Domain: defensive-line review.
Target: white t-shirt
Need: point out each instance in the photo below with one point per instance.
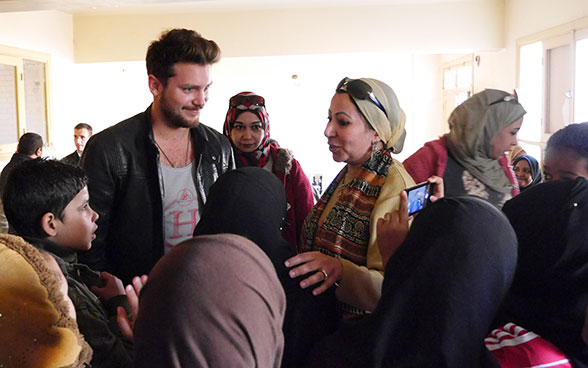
(181, 210)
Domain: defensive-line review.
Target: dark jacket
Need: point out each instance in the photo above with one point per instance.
(124, 175)
(96, 321)
(72, 159)
(16, 159)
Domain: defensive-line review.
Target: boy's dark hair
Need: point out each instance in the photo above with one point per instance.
(572, 138)
(29, 143)
(88, 127)
(179, 46)
(35, 187)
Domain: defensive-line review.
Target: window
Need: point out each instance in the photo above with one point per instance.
(553, 80)
(457, 85)
(23, 97)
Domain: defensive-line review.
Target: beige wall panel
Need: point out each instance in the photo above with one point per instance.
(471, 25)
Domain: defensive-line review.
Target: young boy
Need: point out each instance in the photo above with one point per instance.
(46, 202)
(566, 154)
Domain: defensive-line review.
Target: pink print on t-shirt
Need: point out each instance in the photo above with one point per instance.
(181, 217)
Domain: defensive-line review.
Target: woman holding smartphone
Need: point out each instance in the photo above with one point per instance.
(338, 245)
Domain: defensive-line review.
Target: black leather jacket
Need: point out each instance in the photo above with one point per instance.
(124, 176)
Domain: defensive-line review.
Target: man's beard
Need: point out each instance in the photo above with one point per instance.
(174, 119)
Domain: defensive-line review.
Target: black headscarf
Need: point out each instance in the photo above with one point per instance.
(550, 290)
(251, 202)
(441, 291)
(534, 167)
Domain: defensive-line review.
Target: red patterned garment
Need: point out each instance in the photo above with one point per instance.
(515, 347)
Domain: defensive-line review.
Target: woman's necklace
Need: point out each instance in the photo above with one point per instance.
(182, 164)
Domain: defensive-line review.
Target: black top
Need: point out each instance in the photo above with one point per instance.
(439, 296)
(550, 289)
(72, 159)
(251, 202)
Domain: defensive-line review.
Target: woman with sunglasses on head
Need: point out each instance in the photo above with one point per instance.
(365, 126)
(247, 127)
(471, 158)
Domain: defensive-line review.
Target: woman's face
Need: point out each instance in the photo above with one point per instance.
(248, 132)
(523, 172)
(349, 138)
(564, 164)
(505, 139)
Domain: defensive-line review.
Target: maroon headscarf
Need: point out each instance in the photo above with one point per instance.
(249, 101)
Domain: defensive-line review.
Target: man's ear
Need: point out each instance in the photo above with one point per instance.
(39, 152)
(155, 85)
(48, 224)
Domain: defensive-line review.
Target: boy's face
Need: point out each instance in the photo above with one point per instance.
(76, 231)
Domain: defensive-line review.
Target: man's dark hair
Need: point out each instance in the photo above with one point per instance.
(573, 138)
(29, 143)
(88, 127)
(179, 46)
(36, 187)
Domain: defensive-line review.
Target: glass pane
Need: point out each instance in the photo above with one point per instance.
(531, 90)
(580, 105)
(464, 77)
(34, 86)
(461, 97)
(8, 117)
(450, 79)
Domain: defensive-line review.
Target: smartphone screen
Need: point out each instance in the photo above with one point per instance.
(418, 197)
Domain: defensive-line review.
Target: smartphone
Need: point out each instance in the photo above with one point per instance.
(418, 196)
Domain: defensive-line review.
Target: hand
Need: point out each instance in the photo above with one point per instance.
(315, 263)
(133, 291)
(392, 229)
(113, 287)
(439, 187)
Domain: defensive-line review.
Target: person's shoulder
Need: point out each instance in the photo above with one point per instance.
(285, 161)
(71, 159)
(211, 135)
(398, 174)
(121, 132)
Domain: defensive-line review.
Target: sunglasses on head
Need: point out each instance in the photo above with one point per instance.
(246, 101)
(508, 98)
(360, 90)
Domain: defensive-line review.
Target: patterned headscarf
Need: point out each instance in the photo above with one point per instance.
(238, 104)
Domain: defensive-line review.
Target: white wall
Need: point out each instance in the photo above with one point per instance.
(432, 28)
(523, 18)
(297, 107)
(48, 32)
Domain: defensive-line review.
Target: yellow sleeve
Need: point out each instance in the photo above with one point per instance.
(361, 286)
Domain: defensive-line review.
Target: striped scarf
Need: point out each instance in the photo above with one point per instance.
(345, 233)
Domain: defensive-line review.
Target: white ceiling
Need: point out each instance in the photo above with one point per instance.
(135, 6)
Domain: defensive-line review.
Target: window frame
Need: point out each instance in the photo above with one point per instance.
(565, 34)
(15, 56)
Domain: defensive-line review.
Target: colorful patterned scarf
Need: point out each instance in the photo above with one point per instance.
(261, 154)
(345, 233)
